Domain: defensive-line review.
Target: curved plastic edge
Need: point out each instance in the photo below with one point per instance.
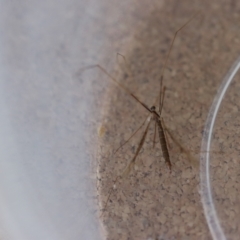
(205, 181)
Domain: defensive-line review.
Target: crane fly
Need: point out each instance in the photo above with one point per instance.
(154, 116)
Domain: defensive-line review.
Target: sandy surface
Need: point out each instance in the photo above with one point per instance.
(151, 202)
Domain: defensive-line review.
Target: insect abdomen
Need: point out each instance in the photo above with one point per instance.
(163, 142)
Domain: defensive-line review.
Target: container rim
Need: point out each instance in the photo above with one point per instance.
(205, 182)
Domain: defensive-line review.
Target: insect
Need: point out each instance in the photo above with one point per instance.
(154, 116)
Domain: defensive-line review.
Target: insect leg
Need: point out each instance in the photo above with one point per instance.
(126, 63)
(114, 80)
(109, 195)
(154, 137)
(168, 54)
(130, 136)
(132, 162)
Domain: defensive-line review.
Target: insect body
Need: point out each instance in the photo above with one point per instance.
(154, 116)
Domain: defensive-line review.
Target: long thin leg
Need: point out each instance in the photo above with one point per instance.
(163, 95)
(132, 162)
(169, 51)
(109, 195)
(175, 35)
(130, 165)
(130, 136)
(154, 137)
(160, 95)
(126, 63)
(114, 80)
